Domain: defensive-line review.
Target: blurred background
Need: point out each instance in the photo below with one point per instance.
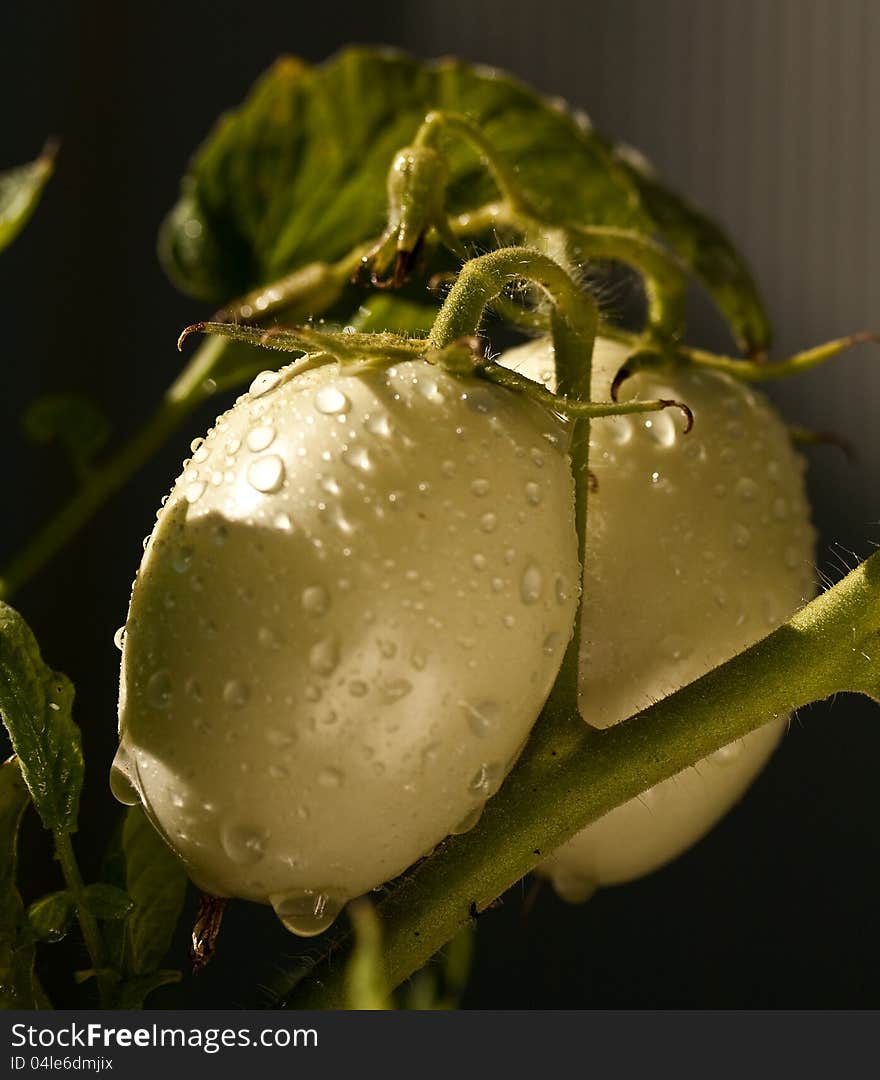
(765, 113)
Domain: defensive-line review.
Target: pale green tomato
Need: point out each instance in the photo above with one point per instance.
(698, 546)
(347, 619)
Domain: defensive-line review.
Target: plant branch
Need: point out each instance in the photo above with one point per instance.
(570, 775)
(87, 923)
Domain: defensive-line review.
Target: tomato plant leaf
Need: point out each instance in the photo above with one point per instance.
(134, 991)
(20, 190)
(298, 172)
(16, 938)
(50, 916)
(704, 247)
(106, 901)
(36, 706)
(71, 420)
(156, 885)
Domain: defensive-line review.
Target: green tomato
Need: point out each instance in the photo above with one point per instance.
(349, 614)
(697, 546)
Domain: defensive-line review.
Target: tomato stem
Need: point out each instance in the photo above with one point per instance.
(568, 776)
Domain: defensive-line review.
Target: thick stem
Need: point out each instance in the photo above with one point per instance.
(87, 923)
(830, 646)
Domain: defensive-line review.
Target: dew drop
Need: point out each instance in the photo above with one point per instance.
(119, 638)
(488, 522)
(661, 429)
(467, 823)
(324, 656)
(741, 537)
(306, 912)
(746, 489)
(377, 424)
(395, 689)
(478, 562)
(480, 487)
(531, 584)
(533, 493)
(315, 600)
(266, 474)
(268, 639)
(358, 458)
(193, 690)
(278, 772)
(260, 438)
(330, 401)
(482, 718)
(159, 689)
(418, 660)
(236, 693)
(358, 688)
(279, 738)
(486, 780)
(551, 643)
(263, 383)
(331, 778)
(780, 509)
(194, 491)
(121, 783)
(244, 844)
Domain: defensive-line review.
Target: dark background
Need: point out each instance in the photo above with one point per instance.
(766, 112)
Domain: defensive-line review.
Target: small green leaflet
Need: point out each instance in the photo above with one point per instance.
(16, 938)
(704, 247)
(50, 917)
(156, 884)
(298, 172)
(20, 191)
(36, 705)
(71, 420)
(106, 901)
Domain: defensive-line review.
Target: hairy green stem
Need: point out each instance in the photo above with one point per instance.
(830, 646)
(87, 923)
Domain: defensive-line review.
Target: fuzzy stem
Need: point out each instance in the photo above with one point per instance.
(830, 646)
(87, 923)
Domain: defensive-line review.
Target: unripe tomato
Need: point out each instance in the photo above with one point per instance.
(347, 618)
(697, 546)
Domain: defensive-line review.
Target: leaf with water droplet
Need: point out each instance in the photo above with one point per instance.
(16, 937)
(36, 706)
(50, 916)
(154, 881)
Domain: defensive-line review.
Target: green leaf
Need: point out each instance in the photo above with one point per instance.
(132, 992)
(156, 884)
(71, 420)
(16, 939)
(36, 705)
(366, 981)
(50, 916)
(106, 901)
(388, 311)
(20, 191)
(705, 248)
(298, 172)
